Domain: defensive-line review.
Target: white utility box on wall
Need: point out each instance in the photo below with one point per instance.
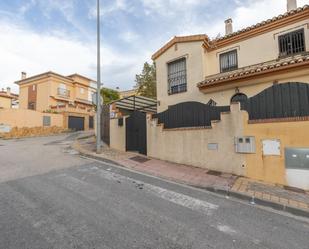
(5, 128)
(245, 145)
(271, 147)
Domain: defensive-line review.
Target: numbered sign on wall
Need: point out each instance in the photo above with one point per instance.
(271, 147)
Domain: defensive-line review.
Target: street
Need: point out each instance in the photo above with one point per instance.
(53, 198)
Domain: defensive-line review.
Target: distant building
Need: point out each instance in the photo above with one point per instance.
(7, 99)
(128, 93)
(51, 92)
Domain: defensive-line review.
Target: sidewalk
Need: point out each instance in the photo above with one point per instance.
(278, 197)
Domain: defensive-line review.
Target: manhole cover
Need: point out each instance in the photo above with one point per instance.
(214, 173)
(139, 159)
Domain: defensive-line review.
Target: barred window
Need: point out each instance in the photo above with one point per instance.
(228, 61)
(177, 76)
(292, 43)
(211, 102)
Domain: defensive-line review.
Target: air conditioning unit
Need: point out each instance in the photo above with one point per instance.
(245, 145)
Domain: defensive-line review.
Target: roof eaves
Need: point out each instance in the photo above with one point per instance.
(81, 76)
(38, 76)
(179, 39)
(213, 44)
(252, 71)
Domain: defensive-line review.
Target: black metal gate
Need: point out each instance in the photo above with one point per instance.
(105, 126)
(136, 132)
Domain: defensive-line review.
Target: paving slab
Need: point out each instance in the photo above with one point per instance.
(273, 195)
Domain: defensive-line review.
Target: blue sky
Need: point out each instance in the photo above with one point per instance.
(60, 35)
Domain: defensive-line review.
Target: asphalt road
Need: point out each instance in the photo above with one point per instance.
(51, 198)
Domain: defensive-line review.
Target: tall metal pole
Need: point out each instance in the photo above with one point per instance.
(98, 140)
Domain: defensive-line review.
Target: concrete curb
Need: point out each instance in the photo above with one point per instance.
(237, 195)
(258, 201)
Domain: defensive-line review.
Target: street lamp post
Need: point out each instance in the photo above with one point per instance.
(98, 140)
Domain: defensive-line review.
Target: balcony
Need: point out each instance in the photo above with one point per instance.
(63, 92)
(77, 108)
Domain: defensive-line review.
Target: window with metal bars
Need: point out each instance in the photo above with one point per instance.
(228, 61)
(211, 102)
(292, 43)
(177, 76)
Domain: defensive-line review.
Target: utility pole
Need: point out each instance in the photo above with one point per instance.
(98, 140)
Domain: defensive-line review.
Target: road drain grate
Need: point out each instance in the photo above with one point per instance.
(139, 159)
(214, 173)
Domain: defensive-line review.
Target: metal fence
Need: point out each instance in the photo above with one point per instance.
(190, 114)
(279, 101)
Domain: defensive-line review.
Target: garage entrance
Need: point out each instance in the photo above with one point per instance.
(76, 123)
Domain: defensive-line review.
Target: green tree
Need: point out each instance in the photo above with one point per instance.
(146, 81)
(109, 95)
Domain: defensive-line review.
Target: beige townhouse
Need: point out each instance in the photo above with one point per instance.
(8, 99)
(236, 66)
(54, 93)
(200, 82)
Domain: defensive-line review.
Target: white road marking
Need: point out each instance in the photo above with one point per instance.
(226, 229)
(177, 198)
(183, 200)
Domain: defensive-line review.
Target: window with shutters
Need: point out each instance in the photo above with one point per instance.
(177, 76)
(292, 43)
(228, 61)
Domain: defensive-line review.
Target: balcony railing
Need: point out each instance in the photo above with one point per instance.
(63, 92)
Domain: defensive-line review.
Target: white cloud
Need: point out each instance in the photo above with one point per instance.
(111, 8)
(245, 14)
(22, 49)
(253, 12)
(170, 7)
(129, 36)
(26, 6)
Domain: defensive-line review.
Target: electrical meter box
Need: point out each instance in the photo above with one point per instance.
(245, 145)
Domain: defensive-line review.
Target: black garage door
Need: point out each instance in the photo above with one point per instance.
(76, 123)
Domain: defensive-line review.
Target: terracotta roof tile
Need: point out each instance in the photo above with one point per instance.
(179, 39)
(255, 69)
(258, 25)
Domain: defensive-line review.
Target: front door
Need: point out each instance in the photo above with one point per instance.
(136, 133)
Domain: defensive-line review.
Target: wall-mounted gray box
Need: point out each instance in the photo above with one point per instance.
(297, 158)
(5, 128)
(46, 121)
(213, 146)
(245, 145)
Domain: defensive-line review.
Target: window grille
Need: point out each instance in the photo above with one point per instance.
(292, 43)
(177, 76)
(228, 61)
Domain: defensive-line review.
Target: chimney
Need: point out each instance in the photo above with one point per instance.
(291, 5)
(8, 91)
(23, 75)
(228, 26)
